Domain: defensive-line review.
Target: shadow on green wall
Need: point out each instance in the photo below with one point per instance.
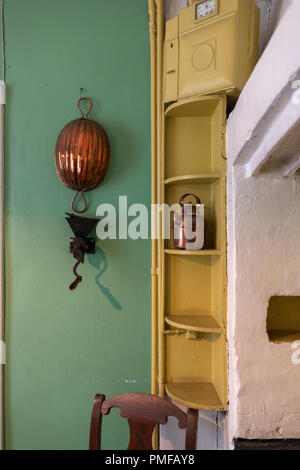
(99, 261)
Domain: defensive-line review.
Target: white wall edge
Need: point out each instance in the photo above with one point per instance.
(272, 131)
(260, 99)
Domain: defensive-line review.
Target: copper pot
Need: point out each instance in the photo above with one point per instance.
(82, 154)
(188, 225)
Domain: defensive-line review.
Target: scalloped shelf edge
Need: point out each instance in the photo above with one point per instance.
(199, 396)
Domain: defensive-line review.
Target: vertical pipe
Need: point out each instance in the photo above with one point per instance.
(2, 345)
(152, 28)
(154, 268)
(161, 339)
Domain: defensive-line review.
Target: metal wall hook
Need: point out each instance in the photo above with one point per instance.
(84, 200)
(84, 98)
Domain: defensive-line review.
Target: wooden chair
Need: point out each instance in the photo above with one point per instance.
(143, 412)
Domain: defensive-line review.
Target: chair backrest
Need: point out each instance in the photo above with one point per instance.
(143, 412)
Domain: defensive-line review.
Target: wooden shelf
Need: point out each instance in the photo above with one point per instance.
(195, 106)
(199, 396)
(193, 253)
(203, 178)
(201, 323)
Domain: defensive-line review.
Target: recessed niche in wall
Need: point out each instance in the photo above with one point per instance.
(283, 319)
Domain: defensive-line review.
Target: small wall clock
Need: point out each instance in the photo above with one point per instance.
(206, 8)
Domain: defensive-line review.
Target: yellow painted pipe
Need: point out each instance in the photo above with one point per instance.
(152, 30)
(2, 311)
(161, 338)
(154, 272)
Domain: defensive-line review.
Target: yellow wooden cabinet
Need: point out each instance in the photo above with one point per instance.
(211, 47)
(204, 55)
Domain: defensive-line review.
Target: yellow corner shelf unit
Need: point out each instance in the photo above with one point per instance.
(200, 60)
(192, 284)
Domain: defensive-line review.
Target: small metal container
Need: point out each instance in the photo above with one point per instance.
(188, 225)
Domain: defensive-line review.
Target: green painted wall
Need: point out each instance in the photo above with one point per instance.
(64, 347)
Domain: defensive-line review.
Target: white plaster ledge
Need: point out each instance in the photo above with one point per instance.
(275, 146)
(263, 130)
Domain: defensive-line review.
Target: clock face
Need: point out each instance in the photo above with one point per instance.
(206, 8)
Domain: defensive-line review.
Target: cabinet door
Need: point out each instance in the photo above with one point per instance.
(207, 58)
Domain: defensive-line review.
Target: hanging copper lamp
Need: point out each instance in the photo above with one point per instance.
(82, 155)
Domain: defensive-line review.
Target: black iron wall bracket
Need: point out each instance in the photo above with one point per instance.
(80, 244)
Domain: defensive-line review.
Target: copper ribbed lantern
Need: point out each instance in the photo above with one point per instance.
(82, 155)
